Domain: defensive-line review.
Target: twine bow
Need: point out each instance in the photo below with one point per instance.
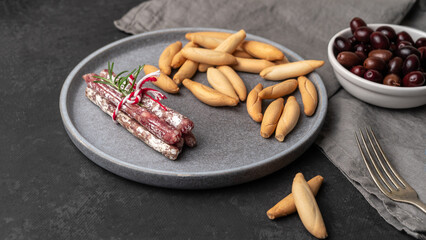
(136, 96)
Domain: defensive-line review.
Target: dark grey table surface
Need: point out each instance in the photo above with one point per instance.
(49, 190)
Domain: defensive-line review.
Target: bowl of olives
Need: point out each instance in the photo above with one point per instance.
(381, 64)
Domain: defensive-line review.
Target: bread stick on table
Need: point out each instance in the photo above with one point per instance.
(307, 207)
(286, 206)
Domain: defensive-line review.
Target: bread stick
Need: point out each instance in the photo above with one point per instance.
(279, 90)
(283, 61)
(179, 59)
(206, 42)
(187, 70)
(202, 67)
(309, 95)
(222, 35)
(307, 207)
(163, 82)
(219, 82)
(241, 54)
(286, 206)
(235, 80)
(167, 55)
(254, 103)
(208, 56)
(231, 43)
(251, 65)
(208, 95)
(210, 42)
(271, 117)
(288, 119)
(290, 70)
(262, 50)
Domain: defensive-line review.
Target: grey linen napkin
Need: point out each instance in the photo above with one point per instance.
(306, 27)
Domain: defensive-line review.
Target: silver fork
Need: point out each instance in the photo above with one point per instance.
(389, 182)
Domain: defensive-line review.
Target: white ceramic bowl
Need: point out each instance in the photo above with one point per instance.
(374, 93)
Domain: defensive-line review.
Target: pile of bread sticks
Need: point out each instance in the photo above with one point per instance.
(220, 54)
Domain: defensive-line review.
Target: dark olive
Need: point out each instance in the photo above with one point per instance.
(362, 47)
(342, 44)
(362, 34)
(386, 55)
(379, 41)
(395, 65)
(356, 23)
(392, 80)
(411, 63)
(348, 59)
(389, 32)
(358, 70)
(406, 51)
(369, 47)
(361, 55)
(373, 75)
(404, 36)
(403, 44)
(352, 40)
(422, 51)
(421, 42)
(413, 79)
(392, 47)
(375, 63)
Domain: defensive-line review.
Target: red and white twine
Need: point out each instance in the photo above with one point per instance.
(136, 96)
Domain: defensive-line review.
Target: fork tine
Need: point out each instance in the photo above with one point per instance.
(379, 159)
(384, 180)
(403, 182)
(370, 170)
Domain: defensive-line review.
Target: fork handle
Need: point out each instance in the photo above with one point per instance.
(419, 204)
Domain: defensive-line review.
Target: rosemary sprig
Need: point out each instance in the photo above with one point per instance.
(120, 82)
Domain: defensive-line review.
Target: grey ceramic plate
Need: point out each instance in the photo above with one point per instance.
(230, 149)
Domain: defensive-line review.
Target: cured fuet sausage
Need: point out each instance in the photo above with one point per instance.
(169, 151)
(150, 121)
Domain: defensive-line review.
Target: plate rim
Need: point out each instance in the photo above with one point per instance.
(75, 135)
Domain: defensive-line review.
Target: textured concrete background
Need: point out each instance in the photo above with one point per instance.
(49, 190)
